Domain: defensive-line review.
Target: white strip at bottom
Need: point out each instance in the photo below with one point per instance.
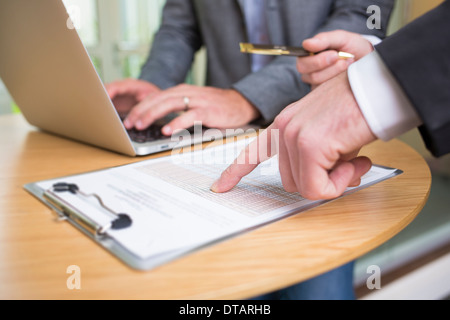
(430, 282)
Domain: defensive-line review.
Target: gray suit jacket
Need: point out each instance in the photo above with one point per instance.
(219, 25)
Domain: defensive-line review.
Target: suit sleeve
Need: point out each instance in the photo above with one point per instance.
(174, 46)
(353, 15)
(279, 84)
(418, 57)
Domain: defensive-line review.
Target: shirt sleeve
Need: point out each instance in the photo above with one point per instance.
(374, 40)
(387, 110)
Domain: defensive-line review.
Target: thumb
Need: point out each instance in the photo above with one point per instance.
(315, 44)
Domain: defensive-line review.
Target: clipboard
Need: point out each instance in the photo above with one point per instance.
(98, 232)
(124, 233)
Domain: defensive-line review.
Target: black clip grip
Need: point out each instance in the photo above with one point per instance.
(122, 220)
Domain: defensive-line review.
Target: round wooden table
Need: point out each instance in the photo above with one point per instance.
(36, 251)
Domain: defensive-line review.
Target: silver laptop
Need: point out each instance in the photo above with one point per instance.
(49, 74)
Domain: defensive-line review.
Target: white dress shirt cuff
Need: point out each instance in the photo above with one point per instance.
(383, 103)
(374, 40)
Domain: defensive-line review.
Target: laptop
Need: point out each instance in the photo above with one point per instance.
(49, 74)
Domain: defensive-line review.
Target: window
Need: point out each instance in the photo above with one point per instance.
(5, 100)
(117, 35)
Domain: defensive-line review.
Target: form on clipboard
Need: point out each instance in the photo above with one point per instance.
(151, 212)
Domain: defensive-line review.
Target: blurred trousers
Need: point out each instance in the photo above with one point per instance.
(336, 284)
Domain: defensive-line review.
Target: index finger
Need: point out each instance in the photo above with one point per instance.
(112, 89)
(335, 40)
(317, 62)
(256, 152)
(127, 86)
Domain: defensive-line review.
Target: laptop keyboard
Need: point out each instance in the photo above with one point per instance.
(153, 132)
(150, 134)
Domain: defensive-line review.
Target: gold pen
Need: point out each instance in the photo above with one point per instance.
(284, 51)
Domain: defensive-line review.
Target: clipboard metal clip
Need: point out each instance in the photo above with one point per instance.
(66, 212)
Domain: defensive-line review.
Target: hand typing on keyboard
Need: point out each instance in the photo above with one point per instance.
(213, 107)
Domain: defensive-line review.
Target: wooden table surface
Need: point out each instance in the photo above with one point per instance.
(35, 251)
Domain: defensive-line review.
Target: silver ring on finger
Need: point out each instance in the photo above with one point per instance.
(186, 101)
